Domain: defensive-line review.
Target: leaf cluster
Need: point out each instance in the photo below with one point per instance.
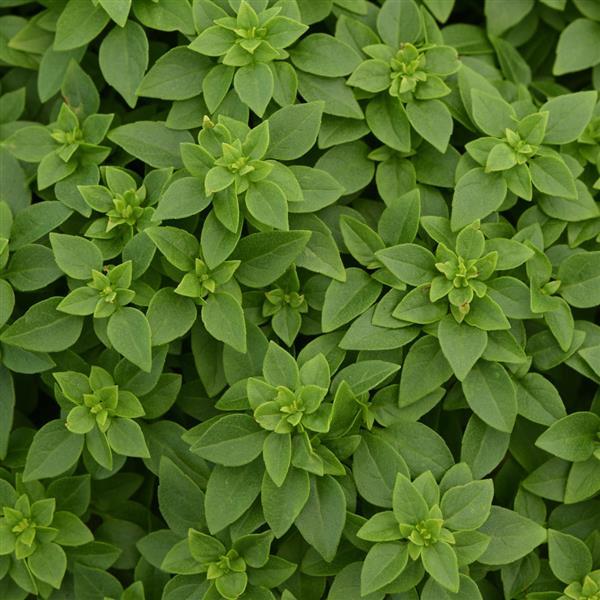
(299, 300)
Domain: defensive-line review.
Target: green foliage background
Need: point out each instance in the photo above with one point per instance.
(298, 299)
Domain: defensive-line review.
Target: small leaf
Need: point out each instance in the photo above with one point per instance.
(322, 519)
(570, 558)
(491, 395)
(123, 58)
(345, 300)
(383, 564)
(223, 318)
(293, 130)
(461, 344)
(477, 195)
(129, 332)
(54, 450)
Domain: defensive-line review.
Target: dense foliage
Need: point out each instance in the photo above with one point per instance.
(298, 299)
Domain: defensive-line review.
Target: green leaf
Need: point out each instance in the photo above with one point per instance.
(381, 527)
(223, 318)
(293, 130)
(216, 84)
(511, 253)
(461, 344)
(254, 85)
(416, 307)
(580, 279)
(267, 203)
(176, 75)
(126, 438)
(338, 97)
(580, 209)
(79, 90)
(230, 493)
(53, 169)
(232, 441)
(325, 55)
(179, 560)
(410, 263)
(71, 530)
(277, 454)
(44, 329)
(383, 564)
(217, 241)
(280, 368)
(179, 247)
(79, 23)
(219, 182)
(483, 447)
(321, 254)
(432, 120)
(52, 68)
(123, 58)
(578, 47)
(569, 557)
(363, 334)
(501, 158)
(7, 406)
(345, 300)
(7, 301)
(32, 267)
(282, 504)
(31, 144)
(365, 374)
(550, 175)
(568, 116)
(399, 22)
(467, 506)
(468, 590)
(492, 114)
(232, 584)
(440, 562)
(372, 76)
(400, 219)
(323, 517)
(512, 536)
(53, 451)
(361, 240)
(409, 505)
(204, 548)
(49, 563)
(388, 121)
(490, 393)
(35, 221)
(346, 583)
(170, 316)
(76, 256)
(424, 354)
(169, 15)
(90, 581)
(349, 164)
(319, 189)
(180, 499)
(499, 20)
(152, 142)
(129, 332)
(374, 467)
(477, 195)
(117, 11)
(583, 481)
(571, 438)
(538, 400)
(266, 256)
